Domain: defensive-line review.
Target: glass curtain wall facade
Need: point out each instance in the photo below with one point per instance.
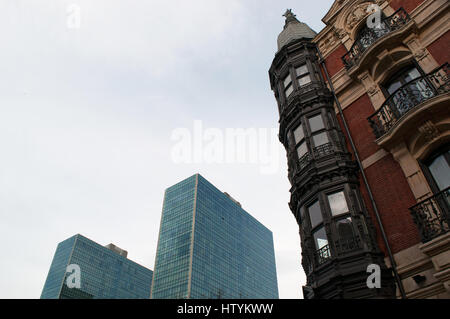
(104, 274)
(210, 248)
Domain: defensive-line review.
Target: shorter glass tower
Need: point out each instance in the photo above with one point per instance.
(210, 248)
(105, 272)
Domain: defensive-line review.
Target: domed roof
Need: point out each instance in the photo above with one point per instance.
(294, 30)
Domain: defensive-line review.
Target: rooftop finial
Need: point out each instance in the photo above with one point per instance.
(290, 17)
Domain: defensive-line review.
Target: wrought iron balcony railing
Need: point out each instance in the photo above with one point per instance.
(324, 149)
(432, 216)
(368, 36)
(408, 97)
(323, 254)
(318, 152)
(304, 160)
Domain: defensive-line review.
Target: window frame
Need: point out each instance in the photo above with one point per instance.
(328, 194)
(303, 75)
(424, 165)
(303, 140)
(317, 132)
(288, 86)
(400, 73)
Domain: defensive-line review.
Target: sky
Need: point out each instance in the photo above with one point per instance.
(104, 104)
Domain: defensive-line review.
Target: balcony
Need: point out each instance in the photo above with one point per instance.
(432, 216)
(368, 36)
(408, 97)
(323, 254)
(319, 151)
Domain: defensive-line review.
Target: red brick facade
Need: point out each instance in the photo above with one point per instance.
(393, 197)
(356, 116)
(334, 60)
(408, 5)
(440, 49)
(389, 186)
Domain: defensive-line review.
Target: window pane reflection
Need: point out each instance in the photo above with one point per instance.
(315, 214)
(302, 150)
(302, 70)
(304, 80)
(345, 229)
(320, 139)
(441, 171)
(287, 81)
(298, 134)
(320, 238)
(316, 123)
(289, 91)
(338, 204)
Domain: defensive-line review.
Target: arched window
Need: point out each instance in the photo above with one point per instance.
(407, 88)
(401, 78)
(366, 36)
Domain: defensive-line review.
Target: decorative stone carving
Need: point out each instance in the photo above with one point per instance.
(339, 33)
(356, 15)
(420, 54)
(373, 90)
(429, 131)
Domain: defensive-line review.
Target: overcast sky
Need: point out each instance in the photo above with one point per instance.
(87, 117)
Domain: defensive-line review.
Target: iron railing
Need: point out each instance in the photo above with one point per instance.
(323, 150)
(432, 216)
(304, 160)
(408, 97)
(368, 36)
(318, 152)
(323, 254)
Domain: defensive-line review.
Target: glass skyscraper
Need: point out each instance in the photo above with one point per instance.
(210, 248)
(105, 273)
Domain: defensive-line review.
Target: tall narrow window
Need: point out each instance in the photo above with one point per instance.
(319, 135)
(288, 87)
(347, 238)
(315, 214)
(321, 241)
(300, 142)
(438, 171)
(299, 135)
(302, 149)
(320, 238)
(303, 76)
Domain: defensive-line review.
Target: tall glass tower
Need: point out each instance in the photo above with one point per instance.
(210, 248)
(105, 272)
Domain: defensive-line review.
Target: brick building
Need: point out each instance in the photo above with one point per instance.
(388, 79)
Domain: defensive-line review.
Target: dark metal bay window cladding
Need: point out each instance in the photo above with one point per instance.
(335, 229)
(408, 97)
(432, 216)
(367, 36)
(319, 141)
